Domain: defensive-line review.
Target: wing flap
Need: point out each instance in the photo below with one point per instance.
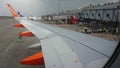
(70, 60)
(57, 54)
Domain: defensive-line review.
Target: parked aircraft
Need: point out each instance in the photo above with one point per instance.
(29, 17)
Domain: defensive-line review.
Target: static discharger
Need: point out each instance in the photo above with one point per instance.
(18, 25)
(26, 34)
(36, 59)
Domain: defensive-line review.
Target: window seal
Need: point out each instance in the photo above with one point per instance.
(113, 57)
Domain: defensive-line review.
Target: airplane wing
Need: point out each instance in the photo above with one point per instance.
(64, 48)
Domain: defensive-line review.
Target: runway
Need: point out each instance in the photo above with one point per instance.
(12, 50)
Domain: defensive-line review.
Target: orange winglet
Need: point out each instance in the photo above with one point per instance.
(26, 34)
(36, 59)
(12, 10)
(18, 25)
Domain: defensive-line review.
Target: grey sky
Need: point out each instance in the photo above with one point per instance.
(42, 7)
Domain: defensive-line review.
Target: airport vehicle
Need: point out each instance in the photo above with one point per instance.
(73, 20)
(86, 30)
(62, 48)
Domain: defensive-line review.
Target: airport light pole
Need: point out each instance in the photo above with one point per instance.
(58, 7)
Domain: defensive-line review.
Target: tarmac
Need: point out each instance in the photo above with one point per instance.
(12, 50)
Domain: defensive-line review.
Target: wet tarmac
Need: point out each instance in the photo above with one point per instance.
(13, 50)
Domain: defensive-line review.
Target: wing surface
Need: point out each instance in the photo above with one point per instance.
(82, 47)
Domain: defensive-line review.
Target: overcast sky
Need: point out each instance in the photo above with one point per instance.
(42, 7)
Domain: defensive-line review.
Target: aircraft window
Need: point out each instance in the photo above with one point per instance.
(112, 61)
(94, 36)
